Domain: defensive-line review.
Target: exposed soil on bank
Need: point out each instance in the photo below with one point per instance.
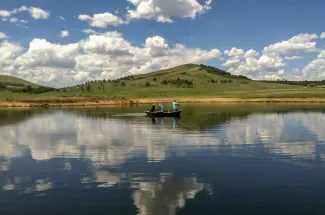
(71, 102)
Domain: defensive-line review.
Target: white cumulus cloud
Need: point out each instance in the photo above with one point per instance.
(45, 62)
(42, 53)
(321, 54)
(64, 33)
(231, 63)
(84, 17)
(298, 43)
(315, 70)
(102, 20)
(35, 12)
(13, 19)
(105, 19)
(164, 10)
(271, 65)
(235, 52)
(3, 35)
(107, 43)
(293, 57)
(322, 36)
(255, 67)
(111, 56)
(5, 13)
(303, 38)
(9, 51)
(251, 53)
(89, 31)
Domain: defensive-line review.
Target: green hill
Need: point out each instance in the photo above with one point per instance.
(13, 81)
(17, 85)
(191, 80)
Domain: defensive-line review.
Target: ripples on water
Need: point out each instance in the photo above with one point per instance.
(90, 162)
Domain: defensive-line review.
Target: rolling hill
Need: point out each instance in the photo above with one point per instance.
(190, 80)
(10, 84)
(187, 81)
(13, 81)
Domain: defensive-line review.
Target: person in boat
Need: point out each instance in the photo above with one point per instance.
(153, 108)
(175, 106)
(160, 108)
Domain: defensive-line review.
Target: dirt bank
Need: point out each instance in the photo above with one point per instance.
(103, 102)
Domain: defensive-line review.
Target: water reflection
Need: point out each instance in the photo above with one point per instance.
(164, 195)
(111, 141)
(157, 166)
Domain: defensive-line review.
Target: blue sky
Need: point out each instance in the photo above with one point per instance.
(146, 34)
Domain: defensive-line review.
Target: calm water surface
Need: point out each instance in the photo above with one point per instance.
(216, 159)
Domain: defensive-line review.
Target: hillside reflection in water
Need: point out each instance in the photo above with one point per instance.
(88, 161)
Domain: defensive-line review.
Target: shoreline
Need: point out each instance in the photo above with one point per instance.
(45, 103)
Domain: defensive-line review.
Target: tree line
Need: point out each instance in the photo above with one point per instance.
(220, 72)
(31, 90)
(298, 83)
(3, 85)
(21, 88)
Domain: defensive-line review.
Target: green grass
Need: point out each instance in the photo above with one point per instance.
(204, 83)
(202, 86)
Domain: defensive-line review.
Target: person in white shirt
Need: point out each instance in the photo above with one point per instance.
(175, 106)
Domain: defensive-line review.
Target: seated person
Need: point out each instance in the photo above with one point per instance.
(160, 108)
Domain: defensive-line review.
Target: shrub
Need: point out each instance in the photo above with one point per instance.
(165, 82)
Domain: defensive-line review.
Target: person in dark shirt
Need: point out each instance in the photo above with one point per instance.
(153, 108)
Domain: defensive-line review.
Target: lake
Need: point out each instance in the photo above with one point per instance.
(215, 159)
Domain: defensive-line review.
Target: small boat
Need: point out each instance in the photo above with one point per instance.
(164, 114)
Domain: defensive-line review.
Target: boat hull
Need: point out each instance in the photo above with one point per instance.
(163, 114)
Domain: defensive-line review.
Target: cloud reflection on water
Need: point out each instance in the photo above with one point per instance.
(112, 142)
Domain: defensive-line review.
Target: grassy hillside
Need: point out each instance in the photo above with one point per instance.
(188, 80)
(191, 80)
(13, 81)
(10, 84)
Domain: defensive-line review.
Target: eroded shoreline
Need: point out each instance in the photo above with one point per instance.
(105, 102)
